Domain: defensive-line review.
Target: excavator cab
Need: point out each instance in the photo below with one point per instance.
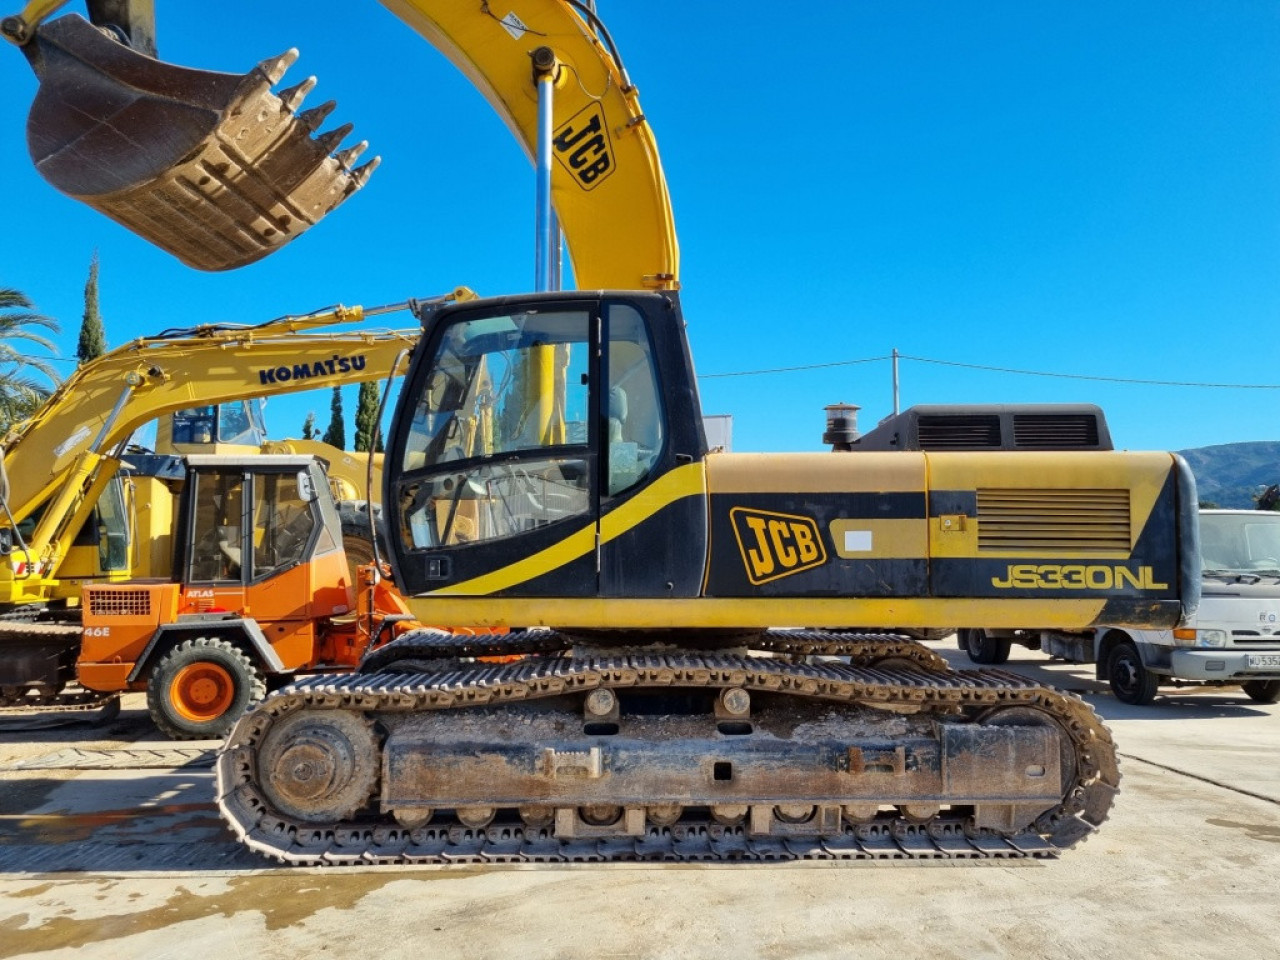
(213, 167)
(533, 432)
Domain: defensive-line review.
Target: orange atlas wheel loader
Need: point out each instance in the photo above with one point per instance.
(260, 591)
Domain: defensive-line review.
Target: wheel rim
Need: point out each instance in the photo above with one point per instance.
(1124, 676)
(202, 692)
(320, 768)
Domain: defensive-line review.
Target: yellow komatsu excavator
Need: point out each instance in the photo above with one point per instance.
(547, 472)
(240, 428)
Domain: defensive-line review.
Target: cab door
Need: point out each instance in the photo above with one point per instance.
(497, 492)
(653, 503)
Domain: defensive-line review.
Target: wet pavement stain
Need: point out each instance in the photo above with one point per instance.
(281, 899)
(19, 795)
(1256, 831)
(58, 828)
(31, 891)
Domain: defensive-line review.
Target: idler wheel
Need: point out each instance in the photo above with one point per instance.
(1032, 717)
(319, 768)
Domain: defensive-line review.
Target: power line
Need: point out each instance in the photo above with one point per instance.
(810, 366)
(943, 363)
(1084, 376)
(993, 369)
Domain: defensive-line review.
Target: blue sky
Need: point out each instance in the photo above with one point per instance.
(1085, 189)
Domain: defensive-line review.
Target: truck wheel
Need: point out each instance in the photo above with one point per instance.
(1130, 680)
(1263, 691)
(198, 690)
(984, 649)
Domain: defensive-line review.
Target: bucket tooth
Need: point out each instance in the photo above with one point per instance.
(293, 97)
(361, 175)
(350, 155)
(212, 167)
(330, 141)
(274, 68)
(311, 119)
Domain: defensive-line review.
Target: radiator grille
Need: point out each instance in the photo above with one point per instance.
(119, 603)
(959, 432)
(1047, 521)
(1055, 430)
(1253, 636)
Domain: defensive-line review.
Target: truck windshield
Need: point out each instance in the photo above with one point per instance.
(1240, 542)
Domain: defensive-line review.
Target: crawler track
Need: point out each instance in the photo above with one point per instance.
(861, 649)
(46, 649)
(393, 700)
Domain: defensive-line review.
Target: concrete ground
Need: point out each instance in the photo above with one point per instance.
(134, 863)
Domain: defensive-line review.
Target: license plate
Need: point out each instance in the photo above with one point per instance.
(1263, 661)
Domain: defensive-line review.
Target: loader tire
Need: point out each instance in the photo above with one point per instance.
(199, 689)
(356, 542)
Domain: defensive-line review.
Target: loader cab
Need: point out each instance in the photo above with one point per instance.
(550, 445)
(261, 532)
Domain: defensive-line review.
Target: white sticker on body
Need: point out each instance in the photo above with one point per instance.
(857, 541)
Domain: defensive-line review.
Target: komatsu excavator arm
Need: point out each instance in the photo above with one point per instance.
(220, 171)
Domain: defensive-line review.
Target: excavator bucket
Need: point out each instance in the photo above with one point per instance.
(212, 167)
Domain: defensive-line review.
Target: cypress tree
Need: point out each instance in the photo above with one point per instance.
(336, 434)
(93, 340)
(368, 434)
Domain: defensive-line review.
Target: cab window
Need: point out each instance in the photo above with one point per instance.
(216, 540)
(634, 408)
(503, 384)
(283, 523)
(511, 392)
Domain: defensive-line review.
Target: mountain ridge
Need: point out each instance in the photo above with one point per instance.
(1233, 474)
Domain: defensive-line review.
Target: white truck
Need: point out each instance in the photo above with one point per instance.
(1233, 639)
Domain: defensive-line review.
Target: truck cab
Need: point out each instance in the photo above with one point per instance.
(1232, 639)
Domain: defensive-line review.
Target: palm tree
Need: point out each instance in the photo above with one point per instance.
(20, 393)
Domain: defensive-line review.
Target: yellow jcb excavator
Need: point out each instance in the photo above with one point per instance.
(547, 470)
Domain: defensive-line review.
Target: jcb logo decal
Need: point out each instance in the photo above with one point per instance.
(775, 545)
(582, 146)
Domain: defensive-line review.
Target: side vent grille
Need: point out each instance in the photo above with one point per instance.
(119, 603)
(1055, 431)
(968, 432)
(1050, 521)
